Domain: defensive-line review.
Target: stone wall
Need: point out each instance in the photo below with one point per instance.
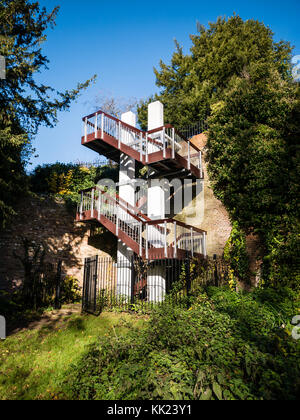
(48, 220)
(211, 215)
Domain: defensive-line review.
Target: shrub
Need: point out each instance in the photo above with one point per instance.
(71, 291)
(225, 346)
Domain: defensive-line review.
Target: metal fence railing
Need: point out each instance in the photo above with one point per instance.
(136, 284)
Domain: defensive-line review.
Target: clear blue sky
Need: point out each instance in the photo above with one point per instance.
(121, 42)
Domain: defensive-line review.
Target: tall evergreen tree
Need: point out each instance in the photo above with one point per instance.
(25, 104)
(238, 78)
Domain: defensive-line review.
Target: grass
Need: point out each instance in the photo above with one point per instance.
(33, 362)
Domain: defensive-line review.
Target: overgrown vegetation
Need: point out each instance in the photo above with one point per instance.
(66, 180)
(225, 346)
(240, 80)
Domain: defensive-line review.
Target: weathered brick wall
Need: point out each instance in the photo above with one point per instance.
(48, 220)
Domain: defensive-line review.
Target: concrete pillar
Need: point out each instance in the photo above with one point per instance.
(127, 192)
(156, 279)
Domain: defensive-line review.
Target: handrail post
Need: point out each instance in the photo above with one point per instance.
(175, 240)
(85, 130)
(147, 151)
(165, 239)
(164, 143)
(96, 124)
(92, 203)
(117, 221)
(102, 126)
(141, 147)
(147, 244)
(173, 143)
(189, 155)
(204, 244)
(99, 204)
(141, 238)
(192, 242)
(120, 134)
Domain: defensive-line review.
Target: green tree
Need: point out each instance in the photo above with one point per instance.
(238, 76)
(192, 82)
(25, 104)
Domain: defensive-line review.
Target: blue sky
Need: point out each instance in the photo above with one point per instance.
(121, 42)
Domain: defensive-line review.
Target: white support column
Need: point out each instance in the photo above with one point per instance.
(156, 279)
(127, 193)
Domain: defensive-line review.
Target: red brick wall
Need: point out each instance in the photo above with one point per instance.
(45, 220)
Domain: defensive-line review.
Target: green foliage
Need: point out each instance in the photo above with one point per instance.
(25, 104)
(235, 254)
(225, 346)
(66, 180)
(241, 79)
(192, 82)
(253, 156)
(70, 291)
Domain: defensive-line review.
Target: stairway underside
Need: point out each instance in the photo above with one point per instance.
(153, 253)
(164, 164)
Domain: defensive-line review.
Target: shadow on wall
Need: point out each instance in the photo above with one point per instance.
(45, 220)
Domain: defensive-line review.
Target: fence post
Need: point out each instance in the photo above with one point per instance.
(175, 239)
(132, 280)
(57, 303)
(165, 238)
(95, 285)
(141, 239)
(188, 276)
(189, 155)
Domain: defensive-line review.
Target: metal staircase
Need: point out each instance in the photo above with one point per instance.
(150, 239)
(164, 150)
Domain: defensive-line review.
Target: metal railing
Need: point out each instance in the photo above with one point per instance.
(166, 238)
(165, 139)
(136, 284)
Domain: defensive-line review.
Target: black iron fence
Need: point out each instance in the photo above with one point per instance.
(135, 284)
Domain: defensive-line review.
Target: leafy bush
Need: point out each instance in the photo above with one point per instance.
(66, 180)
(71, 291)
(225, 346)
